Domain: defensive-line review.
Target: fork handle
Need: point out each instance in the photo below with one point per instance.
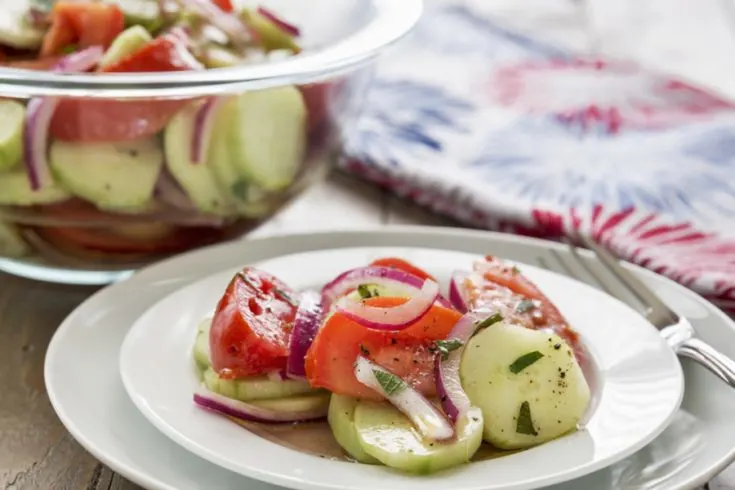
(709, 357)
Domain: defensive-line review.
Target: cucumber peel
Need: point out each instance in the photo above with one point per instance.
(12, 118)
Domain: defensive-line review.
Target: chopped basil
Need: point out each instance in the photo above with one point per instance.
(240, 189)
(390, 383)
(525, 306)
(444, 347)
(497, 317)
(525, 423)
(69, 49)
(516, 270)
(524, 361)
(364, 291)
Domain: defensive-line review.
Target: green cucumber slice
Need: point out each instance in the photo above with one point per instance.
(341, 420)
(268, 138)
(110, 175)
(553, 386)
(12, 117)
(255, 387)
(14, 27)
(201, 345)
(297, 403)
(197, 179)
(249, 200)
(386, 434)
(271, 37)
(145, 13)
(15, 190)
(11, 241)
(126, 43)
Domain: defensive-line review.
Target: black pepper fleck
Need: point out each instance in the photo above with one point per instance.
(557, 346)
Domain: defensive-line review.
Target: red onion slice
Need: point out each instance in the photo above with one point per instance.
(458, 291)
(402, 282)
(393, 318)
(307, 324)
(169, 191)
(204, 120)
(423, 414)
(454, 400)
(251, 413)
(224, 21)
(286, 27)
(39, 113)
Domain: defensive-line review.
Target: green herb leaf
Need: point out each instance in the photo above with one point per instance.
(444, 347)
(525, 423)
(69, 49)
(285, 296)
(525, 306)
(497, 317)
(364, 291)
(390, 383)
(516, 270)
(241, 190)
(524, 361)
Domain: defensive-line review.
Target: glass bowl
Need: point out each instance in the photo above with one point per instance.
(129, 177)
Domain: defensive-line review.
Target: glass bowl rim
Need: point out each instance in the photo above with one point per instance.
(392, 20)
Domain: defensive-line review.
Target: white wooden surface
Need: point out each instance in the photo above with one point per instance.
(691, 39)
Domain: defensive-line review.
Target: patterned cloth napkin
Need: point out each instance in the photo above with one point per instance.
(501, 131)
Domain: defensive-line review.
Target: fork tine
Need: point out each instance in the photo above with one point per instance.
(636, 287)
(569, 271)
(583, 263)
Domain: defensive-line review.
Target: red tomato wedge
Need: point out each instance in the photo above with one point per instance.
(405, 266)
(225, 5)
(82, 24)
(251, 325)
(88, 120)
(506, 288)
(330, 360)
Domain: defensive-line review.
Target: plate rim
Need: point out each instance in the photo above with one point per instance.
(224, 460)
(412, 232)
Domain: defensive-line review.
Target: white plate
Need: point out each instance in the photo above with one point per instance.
(640, 384)
(85, 389)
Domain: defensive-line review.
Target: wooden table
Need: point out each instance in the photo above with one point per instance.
(695, 40)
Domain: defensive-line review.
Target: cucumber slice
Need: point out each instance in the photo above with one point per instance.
(269, 137)
(11, 242)
(14, 27)
(215, 56)
(271, 37)
(297, 403)
(110, 175)
(201, 345)
(15, 190)
(248, 199)
(255, 387)
(126, 43)
(12, 117)
(386, 434)
(341, 417)
(553, 386)
(145, 13)
(197, 179)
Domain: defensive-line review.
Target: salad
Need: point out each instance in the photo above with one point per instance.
(141, 176)
(404, 376)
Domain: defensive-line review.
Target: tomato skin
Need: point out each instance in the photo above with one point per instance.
(251, 325)
(403, 265)
(83, 24)
(101, 120)
(330, 360)
(224, 5)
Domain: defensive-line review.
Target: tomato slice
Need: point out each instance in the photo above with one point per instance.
(251, 325)
(83, 24)
(330, 360)
(405, 266)
(225, 5)
(506, 288)
(88, 120)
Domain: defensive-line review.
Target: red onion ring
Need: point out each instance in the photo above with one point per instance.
(404, 283)
(171, 193)
(238, 32)
(454, 400)
(423, 414)
(286, 27)
(251, 413)
(393, 318)
(39, 112)
(204, 120)
(458, 291)
(306, 325)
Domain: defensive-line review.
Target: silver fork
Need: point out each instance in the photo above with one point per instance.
(677, 330)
